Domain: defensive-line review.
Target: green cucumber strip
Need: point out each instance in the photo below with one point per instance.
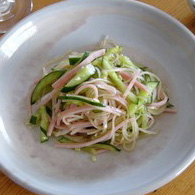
(73, 60)
(106, 147)
(44, 137)
(84, 74)
(33, 120)
(43, 84)
(89, 150)
(139, 121)
(147, 78)
(141, 66)
(144, 119)
(68, 89)
(49, 110)
(61, 65)
(169, 105)
(143, 95)
(152, 85)
(117, 81)
(82, 99)
(149, 101)
(97, 62)
(97, 73)
(71, 138)
(125, 61)
(44, 124)
(64, 140)
(132, 109)
(114, 50)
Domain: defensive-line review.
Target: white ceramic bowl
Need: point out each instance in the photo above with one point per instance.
(151, 37)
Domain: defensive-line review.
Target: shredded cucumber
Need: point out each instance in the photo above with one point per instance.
(44, 85)
(117, 81)
(104, 102)
(82, 99)
(83, 75)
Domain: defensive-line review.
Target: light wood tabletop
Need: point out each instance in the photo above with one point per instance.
(183, 184)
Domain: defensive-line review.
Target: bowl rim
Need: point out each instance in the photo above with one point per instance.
(150, 186)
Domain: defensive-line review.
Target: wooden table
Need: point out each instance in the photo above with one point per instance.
(183, 184)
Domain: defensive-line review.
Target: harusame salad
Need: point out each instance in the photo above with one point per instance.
(97, 101)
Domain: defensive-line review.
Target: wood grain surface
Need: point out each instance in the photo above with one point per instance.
(183, 184)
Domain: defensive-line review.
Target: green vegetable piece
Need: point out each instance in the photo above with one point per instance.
(84, 74)
(169, 105)
(64, 140)
(145, 96)
(44, 124)
(117, 81)
(114, 50)
(142, 67)
(144, 119)
(43, 84)
(33, 120)
(44, 137)
(125, 61)
(132, 109)
(90, 150)
(74, 60)
(107, 147)
(82, 99)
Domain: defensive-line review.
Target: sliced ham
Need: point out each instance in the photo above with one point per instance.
(80, 125)
(105, 137)
(131, 84)
(46, 98)
(67, 76)
(127, 76)
(170, 110)
(51, 126)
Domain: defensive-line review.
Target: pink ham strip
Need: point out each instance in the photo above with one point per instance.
(46, 98)
(105, 137)
(135, 76)
(51, 126)
(61, 127)
(67, 76)
(127, 76)
(80, 125)
(170, 110)
(63, 132)
(72, 106)
(76, 125)
(88, 86)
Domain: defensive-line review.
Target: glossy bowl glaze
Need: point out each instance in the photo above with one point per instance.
(150, 37)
